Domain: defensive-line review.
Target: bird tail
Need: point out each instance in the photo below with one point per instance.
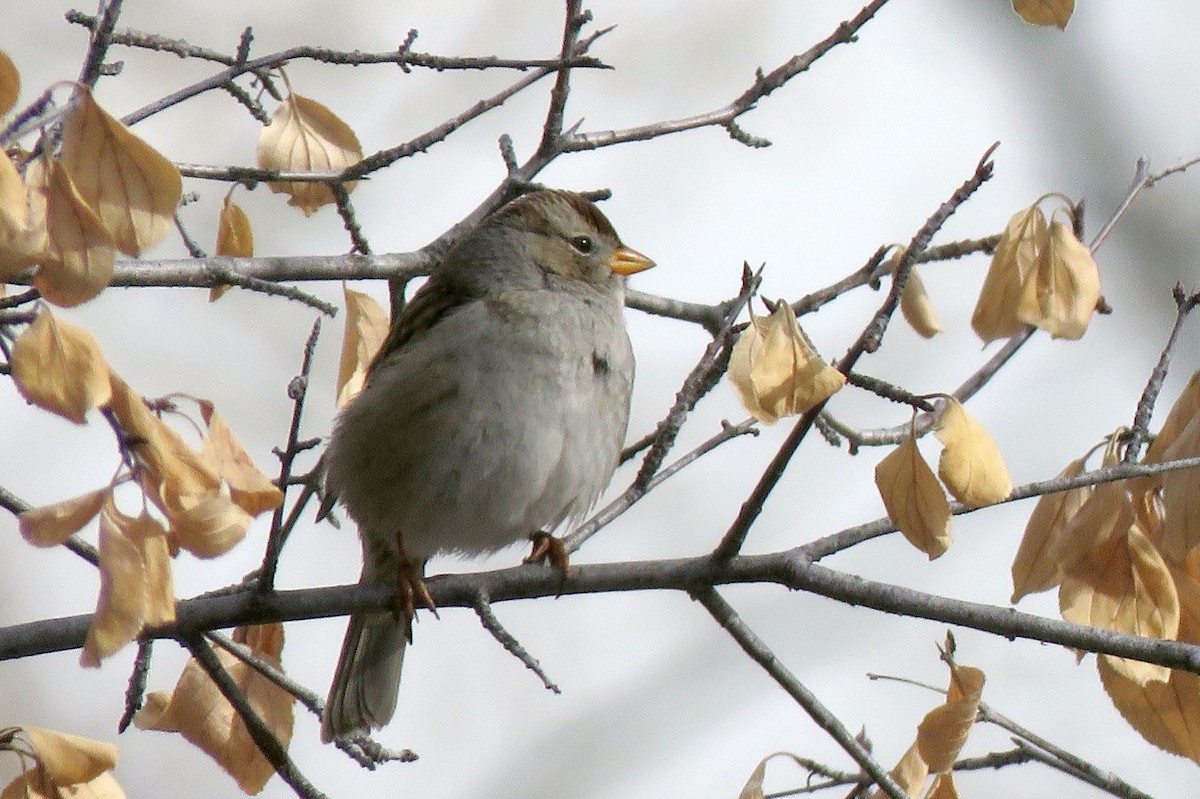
(367, 680)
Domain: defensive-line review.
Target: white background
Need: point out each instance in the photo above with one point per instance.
(657, 701)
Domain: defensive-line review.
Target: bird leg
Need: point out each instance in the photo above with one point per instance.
(550, 550)
(410, 587)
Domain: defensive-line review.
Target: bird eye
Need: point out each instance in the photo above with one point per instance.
(583, 244)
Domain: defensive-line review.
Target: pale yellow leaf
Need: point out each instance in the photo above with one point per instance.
(1038, 564)
(753, 789)
(776, 372)
(197, 710)
(22, 237)
(1166, 714)
(206, 524)
(10, 83)
(971, 465)
(58, 367)
(69, 759)
(133, 188)
(995, 314)
(909, 773)
(1123, 584)
(917, 308)
(78, 260)
(1060, 293)
(1045, 12)
(943, 732)
(305, 136)
(914, 499)
(1180, 530)
(51, 525)
(943, 787)
(121, 607)
(167, 465)
(235, 238)
(250, 489)
(366, 328)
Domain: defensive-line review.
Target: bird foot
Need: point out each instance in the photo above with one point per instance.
(550, 550)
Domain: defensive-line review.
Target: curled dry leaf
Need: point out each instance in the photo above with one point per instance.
(70, 759)
(995, 314)
(207, 524)
(1045, 12)
(249, 488)
(943, 786)
(58, 367)
(129, 184)
(235, 238)
(1179, 533)
(78, 260)
(910, 774)
(135, 582)
(1038, 565)
(1060, 293)
(366, 328)
(914, 499)
(1167, 714)
(305, 136)
(51, 525)
(943, 732)
(1122, 583)
(197, 710)
(971, 465)
(915, 304)
(22, 236)
(776, 372)
(10, 83)
(753, 789)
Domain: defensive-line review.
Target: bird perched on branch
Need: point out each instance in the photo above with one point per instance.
(495, 409)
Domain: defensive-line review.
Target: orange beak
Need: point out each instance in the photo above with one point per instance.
(627, 261)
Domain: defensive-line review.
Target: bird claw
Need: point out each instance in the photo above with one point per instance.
(549, 550)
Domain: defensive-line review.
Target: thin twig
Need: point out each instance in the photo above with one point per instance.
(483, 609)
(758, 651)
(101, 38)
(260, 733)
(1139, 430)
(297, 390)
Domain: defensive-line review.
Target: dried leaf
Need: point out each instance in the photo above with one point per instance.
(58, 367)
(1167, 714)
(971, 465)
(133, 188)
(915, 304)
(1060, 293)
(366, 328)
(135, 582)
(197, 710)
(305, 136)
(1045, 12)
(71, 759)
(910, 774)
(1123, 584)
(51, 525)
(943, 787)
(1038, 565)
(943, 732)
(163, 457)
(250, 489)
(914, 499)
(995, 314)
(235, 238)
(78, 260)
(10, 83)
(22, 237)
(776, 372)
(1180, 530)
(207, 524)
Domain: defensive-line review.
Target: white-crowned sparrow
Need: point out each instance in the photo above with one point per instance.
(496, 408)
